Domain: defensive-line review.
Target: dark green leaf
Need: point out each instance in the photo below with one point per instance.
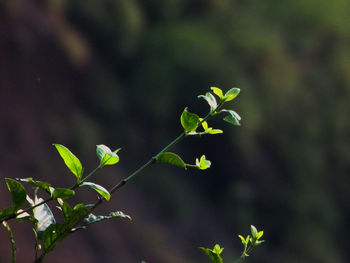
(42, 185)
(233, 117)
(18, 193)
(70, 160)
(53, 235)
(63, 193)
(189, 121)
(231, 94)
(106, 156)
(210, 99)
(100, 189)
(6, 212)
(171, 158)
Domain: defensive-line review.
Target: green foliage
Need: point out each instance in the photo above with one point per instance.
(48, 233)
(213, 254)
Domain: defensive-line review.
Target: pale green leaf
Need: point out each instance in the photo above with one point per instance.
(210, 100)
(106, 156)
(203, 163)
(233, 117)
(98, 188)
(218, 92)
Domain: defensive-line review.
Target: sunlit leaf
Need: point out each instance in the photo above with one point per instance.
(43, 214)
(18, 193)
(214, 257)
(189, 121)
(171, 158)
(63, 193)
(210, 100)
(243, 239)
(260, 234)
(231, 94)
(218, 92)
(100, 189)
(203, 163)
(253, 231)
(106, 156)
(70, 160)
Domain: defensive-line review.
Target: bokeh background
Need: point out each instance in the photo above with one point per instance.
(116, 72)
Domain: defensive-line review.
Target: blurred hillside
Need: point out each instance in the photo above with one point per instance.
(85, 72)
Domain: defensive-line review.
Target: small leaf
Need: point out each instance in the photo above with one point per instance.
(94, 219)
(254, 231)
(42, 185)
(171, 158)
(233, 117)
(6, 212)
(210, 100)
(231, 94)
(215, 131)
(100, 189)
(63, 193)
(203, 163)
(189, 121)
(243, 239)
(106, 156)
(217, 249)
(218, 92)
(18, 193)
(215, 258)
(260, 234)
(258, 242)
(70, 160)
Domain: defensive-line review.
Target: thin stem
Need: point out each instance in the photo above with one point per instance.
(12, 240)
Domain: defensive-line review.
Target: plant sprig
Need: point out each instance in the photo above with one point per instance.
(48, 233)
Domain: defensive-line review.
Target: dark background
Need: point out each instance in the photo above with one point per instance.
(117, 72)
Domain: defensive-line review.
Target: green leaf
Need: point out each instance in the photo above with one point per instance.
(208, 129)
(6, 212)
(233, 117)
(260, 234)
(203, 163)
(217, 249)
(25, 217)
(254, 231)
(106, 156)
(43, 214)
(94, 219)
(63, 193)
(18, 193)
(231, 94)
(42, 185)
(189, 121)
(243, 239)
(171, 158)
(53, 235)
(210, 100)
(218, 92)
(214, 257)
(70, 160)
(100, 189)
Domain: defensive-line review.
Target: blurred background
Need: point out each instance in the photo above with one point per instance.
(117, 72)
